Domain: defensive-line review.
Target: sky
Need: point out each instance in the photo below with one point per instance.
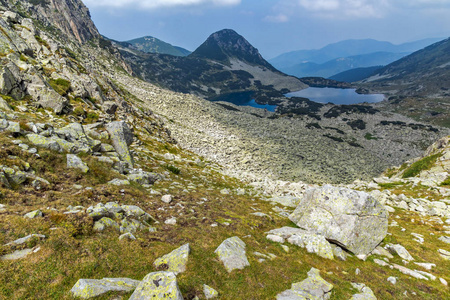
(272, 26)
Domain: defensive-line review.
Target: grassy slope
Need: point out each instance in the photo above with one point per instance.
(73, 251)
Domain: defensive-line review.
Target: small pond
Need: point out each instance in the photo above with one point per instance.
(336, 96)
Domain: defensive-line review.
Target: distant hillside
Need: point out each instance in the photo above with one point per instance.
(151, 44)
(423, 73)
(342, 64)
(357, 74)
(225, 63)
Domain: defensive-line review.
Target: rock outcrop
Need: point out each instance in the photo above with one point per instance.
(351, 219)
(232, 254)
(158, 285)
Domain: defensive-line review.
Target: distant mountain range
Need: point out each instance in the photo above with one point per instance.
(423, 73)
(345, 55)
(225, 63)
(151, 44)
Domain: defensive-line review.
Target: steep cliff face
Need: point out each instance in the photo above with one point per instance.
(72, 17)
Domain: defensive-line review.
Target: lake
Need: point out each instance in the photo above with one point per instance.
(244, 99)
(336, 96)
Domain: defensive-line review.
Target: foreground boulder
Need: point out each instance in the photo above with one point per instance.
(352, 219)
(121, 137)
(158, 285)
(89, 288)
(175, 261)
(232, 254)
(313, 287)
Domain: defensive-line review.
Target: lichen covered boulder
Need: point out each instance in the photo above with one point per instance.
(121, 137)
(175, 261)
(158, 285)
(89, 288)
(232, 254)
(352, 219)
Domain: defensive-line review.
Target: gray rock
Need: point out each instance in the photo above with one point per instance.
(445, 239)
(366, 292)
(352, 219)
(313, 287)
(26, 239)
(392, 280)
(175, 261)
(128, 236)
(41, 141)
(117, 181)
(444, 254)
(142, 177)
(339, 253)
(409, 272)
(74, 162)
(209, 292)
(137, 212)
(90, 288)
(400, 251)
(19, 254)
(121, 137)
(9, 83)
(109, 107)
(158, 285)
(34, 214)
(232, 254)
(312, 242)
(104, 223)
(167, 198)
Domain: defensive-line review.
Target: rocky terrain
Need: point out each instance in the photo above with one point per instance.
(114, 188)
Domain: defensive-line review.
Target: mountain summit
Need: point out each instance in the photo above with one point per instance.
(227, 44)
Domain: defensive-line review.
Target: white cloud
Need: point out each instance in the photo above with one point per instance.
(280, 18)
(346, 8)
(152, 4)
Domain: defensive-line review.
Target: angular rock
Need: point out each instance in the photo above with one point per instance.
(339, 253)
(366, 292)
(313, 287)
(352, 219)
(167, 198)
(175, 261)
(143, 177)
(25, 239)
(232, 254)
(445, 239)
(409, 272)
(137, 212)
(89, 288)
(117, 182)
(34, 214)
(121, 137)
(400, 251)
(158, 285)
(104, 223)
(312, 242)
(209, 292)
(288, 201)
(109, 107)
(19, 254)
(41, 141)
(74, 162)
(444, 254)
(128, 236)
(131, 226)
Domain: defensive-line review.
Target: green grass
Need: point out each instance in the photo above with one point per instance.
(390, 185)
(446, 182)
(421, 165)
(61, 86)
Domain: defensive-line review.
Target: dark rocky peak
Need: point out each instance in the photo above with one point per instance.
(72, 17)
(227, 44)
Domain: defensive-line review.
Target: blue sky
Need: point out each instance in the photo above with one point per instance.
(273, 26)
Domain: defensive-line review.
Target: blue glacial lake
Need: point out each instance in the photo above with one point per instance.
(244, 99)
(336, 96)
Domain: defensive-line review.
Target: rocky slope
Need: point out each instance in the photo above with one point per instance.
(98, 200)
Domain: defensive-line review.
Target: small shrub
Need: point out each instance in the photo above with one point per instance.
(370, 136)
(23, 58)
(390, 185)
(79, 111)
(446, 182)
(92, 117)
(423, 164)
(173, 169)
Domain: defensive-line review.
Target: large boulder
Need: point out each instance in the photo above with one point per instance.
(232, 254)
(74, 162)
(352, 219)
(175, 261)
(90, 288)
(121, 136)
(158, 285)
